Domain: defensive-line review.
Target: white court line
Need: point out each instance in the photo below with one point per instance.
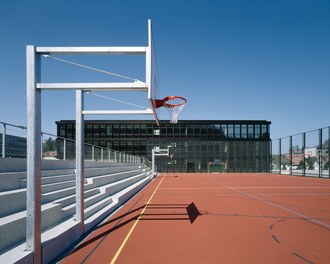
(327, 226)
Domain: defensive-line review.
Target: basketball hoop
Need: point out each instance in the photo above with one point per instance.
(174, 107)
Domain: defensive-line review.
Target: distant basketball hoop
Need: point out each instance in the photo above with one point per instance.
(157, 151)
(308, 154)
(174, 104)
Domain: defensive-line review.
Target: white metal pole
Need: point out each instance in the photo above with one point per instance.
(33, 206)
(80, 159)
(42, 144)
(64, 149)
(153, 162)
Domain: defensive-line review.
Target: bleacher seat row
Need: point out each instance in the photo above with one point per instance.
(105, 188)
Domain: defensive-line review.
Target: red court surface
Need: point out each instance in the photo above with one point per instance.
(216, 218)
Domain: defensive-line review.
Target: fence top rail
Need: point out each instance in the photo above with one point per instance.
(67, 139)
(8, 124)
(309, 131)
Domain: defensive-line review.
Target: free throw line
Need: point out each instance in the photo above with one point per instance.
(135, 224)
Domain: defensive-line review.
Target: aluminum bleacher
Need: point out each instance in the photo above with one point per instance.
(107, 186)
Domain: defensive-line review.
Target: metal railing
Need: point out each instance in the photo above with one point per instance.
(305, 154)
(13, 144)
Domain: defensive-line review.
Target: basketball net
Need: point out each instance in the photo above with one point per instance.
(174, 104)
(174, 112)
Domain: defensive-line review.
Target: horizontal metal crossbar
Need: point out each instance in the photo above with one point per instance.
(117, 112)
(92, 50)
(136, 86)
(161, 152)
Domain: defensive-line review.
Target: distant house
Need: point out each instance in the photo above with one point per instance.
(50, 155)
(297, 161)
(316, 165)
(285, 163)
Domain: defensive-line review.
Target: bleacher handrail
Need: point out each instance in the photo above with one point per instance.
(128, 158)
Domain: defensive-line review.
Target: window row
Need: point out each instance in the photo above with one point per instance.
(235, 131)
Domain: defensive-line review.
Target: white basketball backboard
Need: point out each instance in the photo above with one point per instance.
(152, 80)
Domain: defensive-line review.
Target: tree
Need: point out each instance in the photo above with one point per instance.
(326, 165)
(310, 163)
(301, 165)
(49, 145)
(295, 149)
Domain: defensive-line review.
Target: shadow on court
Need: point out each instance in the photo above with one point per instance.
(153, 212)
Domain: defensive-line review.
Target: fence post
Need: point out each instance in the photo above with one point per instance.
(290, 153)
(64, 150)
(329, 152)
(4, 141)
(303, 149)
(270, 160)
(280, 155)
(42, 144)
(320, 156)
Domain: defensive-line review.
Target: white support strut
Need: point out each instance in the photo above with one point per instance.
(118, 112)
(93, 50)
(133, 86)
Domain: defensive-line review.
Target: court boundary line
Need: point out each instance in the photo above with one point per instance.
(307, 218)
(245, 187)
(114, 259)
(116, 224)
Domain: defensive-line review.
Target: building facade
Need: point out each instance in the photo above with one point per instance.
(240, 145)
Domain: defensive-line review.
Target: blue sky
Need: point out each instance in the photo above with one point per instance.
(232, 59)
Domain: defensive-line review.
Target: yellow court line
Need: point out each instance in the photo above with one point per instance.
(135, 223)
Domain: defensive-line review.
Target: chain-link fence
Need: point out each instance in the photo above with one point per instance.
(242, 156)
(305, 154)
(12, 141)
(13, 144)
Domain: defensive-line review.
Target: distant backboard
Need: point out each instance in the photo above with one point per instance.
(152, 73)
(163, 151)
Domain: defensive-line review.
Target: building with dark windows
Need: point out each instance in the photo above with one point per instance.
(196, 145)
